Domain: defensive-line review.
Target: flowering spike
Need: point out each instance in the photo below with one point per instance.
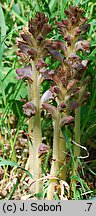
(34, 39)
(39, 25)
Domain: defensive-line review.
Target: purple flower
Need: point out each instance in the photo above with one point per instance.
(51, 109)
(83, 45)
(48, 95)
(29, 108)
(43, 148)
(66, 120)
(25, 73)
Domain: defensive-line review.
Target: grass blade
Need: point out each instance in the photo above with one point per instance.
(52, 5)
(4, 162)
(3, 32)
(14, 189)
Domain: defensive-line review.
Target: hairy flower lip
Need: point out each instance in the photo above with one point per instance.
(65, 22)
(83, 45)
(48, 95)
(25, 73)
(79, 66)
(63, 47)
(68, 38)
(61, 28)
(46, 29)
(82, 21)
(85, 27)
(39, 38)
(71, 84)
(86, 95)
(63, 104)
(56, 54)
(29, 108)
(73, 57)
(23, 57)
(51, 109)
(27, 38)
(48, 74)
(33, 53)
(76, 90)
(23, 46)
(77, 31)
(73, 105)
(43, 148)
(41, 63)
(66, 120)
(55, 89)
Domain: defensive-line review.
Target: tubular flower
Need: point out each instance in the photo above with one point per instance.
(68, 76)
(33, 45)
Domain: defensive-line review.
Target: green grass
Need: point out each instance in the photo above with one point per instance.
(13, 142)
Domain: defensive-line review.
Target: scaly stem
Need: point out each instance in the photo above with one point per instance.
(76, 148)
(77, 132)
(55, 161)
(62, 157)
(37, 139)
(30, 128)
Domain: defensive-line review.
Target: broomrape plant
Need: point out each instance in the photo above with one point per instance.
(32, 50)
(67, 89)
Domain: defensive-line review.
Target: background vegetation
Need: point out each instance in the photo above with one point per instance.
(14, 178)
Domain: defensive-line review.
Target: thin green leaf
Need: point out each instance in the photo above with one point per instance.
(14, 189)
(19, 17)
(69, 145)
(52, 5)
(4, 162)
(87, 1)
(3, 32)
(77, 2)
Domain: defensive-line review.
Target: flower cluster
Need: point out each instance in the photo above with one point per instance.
(67, 89)
(32, 52)
(71, 86)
